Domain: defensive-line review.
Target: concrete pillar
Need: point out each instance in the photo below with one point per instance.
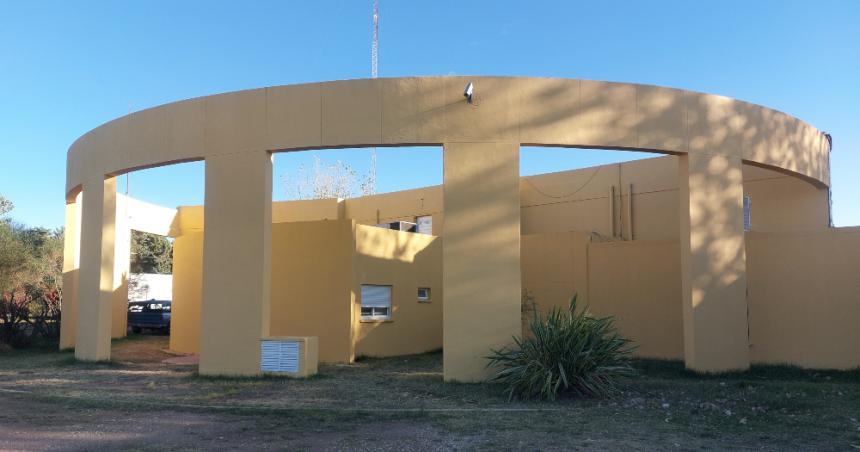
(71, 265)
(481, 255)
(122, 262)
(96, 283)
(236, 262)
(187, 293)
(713, 263)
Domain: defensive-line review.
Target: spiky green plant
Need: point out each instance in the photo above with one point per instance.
(568, 352)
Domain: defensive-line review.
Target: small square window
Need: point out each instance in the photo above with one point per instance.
(424, 294)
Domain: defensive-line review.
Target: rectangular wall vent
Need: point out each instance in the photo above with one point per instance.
(279, 356)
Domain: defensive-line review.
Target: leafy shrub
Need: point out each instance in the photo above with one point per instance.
(567, 352)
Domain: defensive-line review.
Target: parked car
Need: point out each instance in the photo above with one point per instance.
(150, 314)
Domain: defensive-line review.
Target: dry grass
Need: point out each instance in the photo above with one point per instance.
(773, 408)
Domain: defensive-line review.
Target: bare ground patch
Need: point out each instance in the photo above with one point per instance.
(49, 401)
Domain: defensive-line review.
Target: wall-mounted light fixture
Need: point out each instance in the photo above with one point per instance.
(467, 93)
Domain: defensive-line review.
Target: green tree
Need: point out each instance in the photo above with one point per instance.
(14, 260)
(31, 265)
(151, 253)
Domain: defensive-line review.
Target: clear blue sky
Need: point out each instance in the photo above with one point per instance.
(66, 67)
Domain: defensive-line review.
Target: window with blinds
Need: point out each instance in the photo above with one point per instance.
(747, 219)
(375, 302)
(424, 225)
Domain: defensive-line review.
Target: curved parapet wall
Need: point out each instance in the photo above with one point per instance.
(236, 132)
(431, 110)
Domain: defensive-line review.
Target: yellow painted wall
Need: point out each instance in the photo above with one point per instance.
(121, 262)
(632, 280)
(187, 293)
(312, 265)
(190, 218)
(481, 255)
(406, 261)
(578, 200)
(236, 253)
(804, 294)
(554, 267)
(236, 132)
(784, 203)
(638, 283)
(403, 205)
(713, 262)
(71, 264)
(95, 283)
(317, 269)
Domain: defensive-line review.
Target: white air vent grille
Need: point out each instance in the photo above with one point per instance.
(279, 356)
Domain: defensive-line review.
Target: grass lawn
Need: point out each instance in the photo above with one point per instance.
(47, 399)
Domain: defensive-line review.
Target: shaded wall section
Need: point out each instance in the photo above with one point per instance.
(804, 295)
(578, 200)
(403, 205)
(187, 293)
(312, 293)
(554, 268)
(405, 261)
(317, 271)
(803, 291)
(637, 282)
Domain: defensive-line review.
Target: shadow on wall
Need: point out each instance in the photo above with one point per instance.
(414, 261)
(805, 297)
(637, 282)
(639, 117)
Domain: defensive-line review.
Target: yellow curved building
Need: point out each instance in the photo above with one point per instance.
(659, 243)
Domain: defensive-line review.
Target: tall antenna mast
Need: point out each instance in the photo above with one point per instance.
(374, 47)
(374, 72)
(127, 177)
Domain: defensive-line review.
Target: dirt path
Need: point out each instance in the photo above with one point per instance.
(49, 401)
(34, 426)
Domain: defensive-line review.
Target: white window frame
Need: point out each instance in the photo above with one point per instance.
(378, 312)
(426, 298)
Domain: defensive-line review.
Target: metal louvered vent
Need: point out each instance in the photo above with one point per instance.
(279, 356)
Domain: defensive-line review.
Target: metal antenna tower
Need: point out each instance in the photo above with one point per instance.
(374, 72)
(374, 47)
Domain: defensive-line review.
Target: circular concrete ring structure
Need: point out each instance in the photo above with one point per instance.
(432, 111)
(235, 134)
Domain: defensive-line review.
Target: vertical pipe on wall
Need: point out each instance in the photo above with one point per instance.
(630, 212)
(612, 211)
